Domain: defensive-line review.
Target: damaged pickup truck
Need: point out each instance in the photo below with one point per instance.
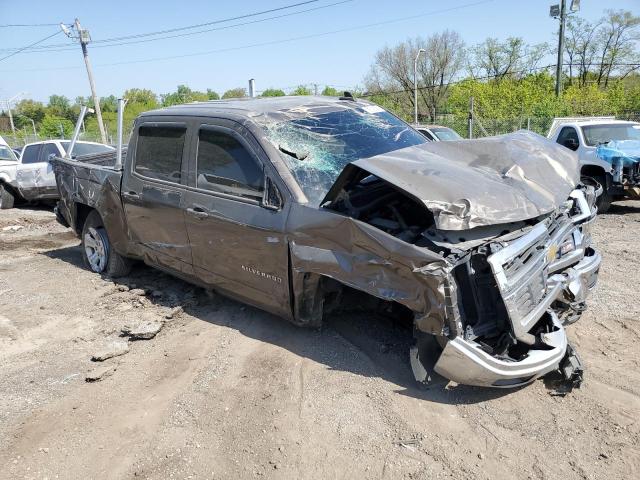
(287, 203)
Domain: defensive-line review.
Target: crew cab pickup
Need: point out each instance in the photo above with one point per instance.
(288, 203)
(609, 153)
(31, 178)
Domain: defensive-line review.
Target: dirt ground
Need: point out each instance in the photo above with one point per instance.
(227, 391)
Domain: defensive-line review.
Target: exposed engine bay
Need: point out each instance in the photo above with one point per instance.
(513, 286)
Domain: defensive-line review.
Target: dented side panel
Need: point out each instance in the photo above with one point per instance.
(367, 259)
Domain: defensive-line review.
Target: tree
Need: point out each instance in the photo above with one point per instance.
(235, 93)
(54, 126)
(581, 47)
(330, 92)
(441, 62)
(59, 105)
(494, 59)
(109, 104)
(273, 92)
(31, 109)
(183, 94)
(619, 40)
(211, 95)
(301, 90)
(141, 96)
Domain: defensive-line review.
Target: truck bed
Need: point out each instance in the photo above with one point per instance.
(86, 183)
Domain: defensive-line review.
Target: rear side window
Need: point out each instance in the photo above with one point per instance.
(159, 152)
(31, 153)
(225, 165)
(47, 150)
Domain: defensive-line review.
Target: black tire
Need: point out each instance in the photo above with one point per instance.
(6, 198)
(105, 259)
(604, 200)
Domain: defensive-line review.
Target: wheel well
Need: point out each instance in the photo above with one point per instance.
(10, 189)
(318, 295)
(82, 212)
(592, 171)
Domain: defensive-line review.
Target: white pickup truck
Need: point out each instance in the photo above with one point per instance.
(608, 152)
(30, 177)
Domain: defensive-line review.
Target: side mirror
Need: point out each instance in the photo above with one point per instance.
(272, 197)
(50, 157)
(571, 143)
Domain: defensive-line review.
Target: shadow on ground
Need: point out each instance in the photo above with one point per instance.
(623, 209)
(351, 340)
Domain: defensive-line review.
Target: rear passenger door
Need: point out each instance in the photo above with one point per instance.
(153, 193)
(29, 176)
(238, 241)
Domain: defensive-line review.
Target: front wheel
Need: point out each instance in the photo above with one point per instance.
(97, 253)
(604, 200)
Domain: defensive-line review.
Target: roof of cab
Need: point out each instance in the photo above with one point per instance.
(252, 106)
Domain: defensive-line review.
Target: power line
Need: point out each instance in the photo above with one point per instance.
(287, 40)
(197, 32)
(10, 25)
(189, 27)
(34, 43)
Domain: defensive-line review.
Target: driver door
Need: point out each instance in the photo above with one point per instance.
(238, 242)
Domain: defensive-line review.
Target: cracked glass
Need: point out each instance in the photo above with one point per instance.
(317, 144)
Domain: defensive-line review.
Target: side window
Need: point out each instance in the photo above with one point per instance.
(427, 134)
(31, 154)
(569, 138)
(159, 152)
(46, 150)
(224, 165)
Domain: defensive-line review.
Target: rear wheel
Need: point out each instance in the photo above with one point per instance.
(6, 198)
(97, 252)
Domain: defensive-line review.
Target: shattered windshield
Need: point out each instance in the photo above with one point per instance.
(595, 134)
(316, 147)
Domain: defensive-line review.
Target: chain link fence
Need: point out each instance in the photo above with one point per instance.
(22, 138)
(484, 127)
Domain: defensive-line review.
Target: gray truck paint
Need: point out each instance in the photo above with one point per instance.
(480, 273)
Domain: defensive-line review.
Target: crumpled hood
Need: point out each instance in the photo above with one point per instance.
(627, 150)
(471, 183)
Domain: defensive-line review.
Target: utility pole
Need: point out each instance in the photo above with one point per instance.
(13, 127)
(560, 12)
(9, 102)
(85, 38)
(415, 85)
(563, 19)
(470, 124)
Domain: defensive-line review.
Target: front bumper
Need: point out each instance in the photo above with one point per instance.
(544, 289)
(465, 362)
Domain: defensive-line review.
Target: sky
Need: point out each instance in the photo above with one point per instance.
(334, 44)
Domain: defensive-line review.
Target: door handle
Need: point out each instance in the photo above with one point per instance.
(197, 212)
(132, 194)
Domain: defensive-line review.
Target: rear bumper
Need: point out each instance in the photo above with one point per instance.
(465, 362)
